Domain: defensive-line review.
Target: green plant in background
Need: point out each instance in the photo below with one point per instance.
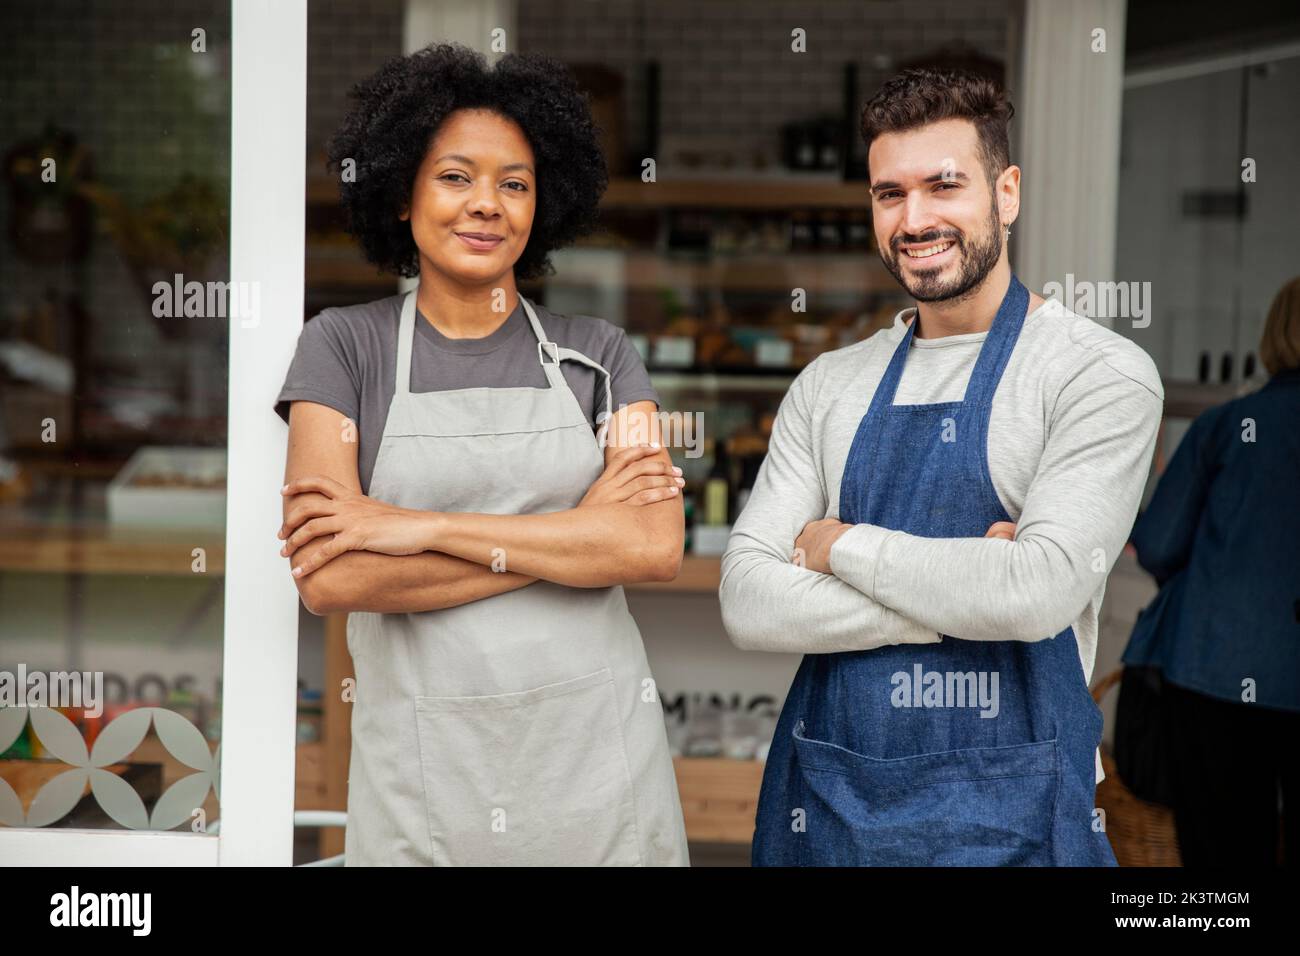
(188, 129)
(176, 231)
(185, 224)
(671, 303)
(182, 228)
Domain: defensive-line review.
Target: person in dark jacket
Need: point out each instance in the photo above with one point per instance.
(1223, 531)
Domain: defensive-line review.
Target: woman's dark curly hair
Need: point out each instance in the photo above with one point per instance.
(400, 108)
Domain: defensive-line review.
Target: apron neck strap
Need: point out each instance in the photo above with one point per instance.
(993, 357)
(533, 321)
(405, 337)
(999, 344)
(549, 354)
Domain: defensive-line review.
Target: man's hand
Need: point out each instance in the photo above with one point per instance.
(635, 477)
(812, 549)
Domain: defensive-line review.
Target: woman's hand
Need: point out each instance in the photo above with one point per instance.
(357, 523)
(635, 477)
(1001, 529)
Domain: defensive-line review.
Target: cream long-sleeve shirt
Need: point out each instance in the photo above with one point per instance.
(1071, 435)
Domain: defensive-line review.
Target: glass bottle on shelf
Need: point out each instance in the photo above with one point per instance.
(830, 230)
(717, 487)
(711, 532)
(802, 233)
(748, 448)
(857, 231)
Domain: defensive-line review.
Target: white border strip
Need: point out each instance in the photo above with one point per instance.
(57, 846)
(267, 221)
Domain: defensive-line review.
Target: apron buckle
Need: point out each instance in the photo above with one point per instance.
(541, 353)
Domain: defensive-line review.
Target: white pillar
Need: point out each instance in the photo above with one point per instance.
(268, 140)
(1068, 110)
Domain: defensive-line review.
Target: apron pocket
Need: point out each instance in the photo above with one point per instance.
(986, 806)
(538, 777)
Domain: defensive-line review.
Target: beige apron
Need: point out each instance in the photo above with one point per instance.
(523, 728)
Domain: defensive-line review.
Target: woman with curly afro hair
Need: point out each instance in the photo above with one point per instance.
(455, 485)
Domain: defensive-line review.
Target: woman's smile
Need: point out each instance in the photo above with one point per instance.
(480, 241)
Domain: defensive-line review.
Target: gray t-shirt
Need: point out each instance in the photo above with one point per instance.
(346, 358)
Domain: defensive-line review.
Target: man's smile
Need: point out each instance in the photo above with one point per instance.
(930, 251)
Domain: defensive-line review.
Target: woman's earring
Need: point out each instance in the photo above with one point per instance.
(1007, 234)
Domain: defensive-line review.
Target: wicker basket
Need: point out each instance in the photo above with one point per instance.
(1141, 833)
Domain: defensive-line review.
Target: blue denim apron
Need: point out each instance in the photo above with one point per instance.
(877, 763)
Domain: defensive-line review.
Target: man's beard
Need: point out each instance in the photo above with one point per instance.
(977, 261)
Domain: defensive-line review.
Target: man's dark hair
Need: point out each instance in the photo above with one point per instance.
(923, 95)
(400, 108)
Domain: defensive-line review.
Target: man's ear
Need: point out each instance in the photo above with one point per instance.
(1008, 195)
